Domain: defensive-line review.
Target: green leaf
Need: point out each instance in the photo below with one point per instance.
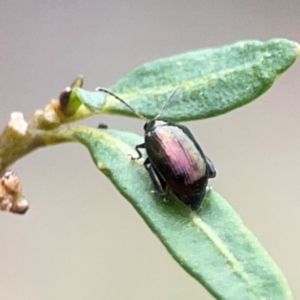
(211, 81)
(94, 101)
(212, 244)
(69, 102)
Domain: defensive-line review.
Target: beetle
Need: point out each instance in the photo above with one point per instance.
(175, 161)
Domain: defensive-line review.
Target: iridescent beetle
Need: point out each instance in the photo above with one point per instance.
(175, 160)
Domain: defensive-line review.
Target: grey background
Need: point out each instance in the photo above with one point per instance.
(81, 239)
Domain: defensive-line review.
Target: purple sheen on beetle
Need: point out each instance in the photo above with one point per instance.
(176, 158)
(178, 161)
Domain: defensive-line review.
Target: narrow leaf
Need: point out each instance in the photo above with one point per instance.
(212, 244)
(211, 81)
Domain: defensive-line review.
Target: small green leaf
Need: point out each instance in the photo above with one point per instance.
(212, 244)
(94, 101)
(69, 102)
(211, 81)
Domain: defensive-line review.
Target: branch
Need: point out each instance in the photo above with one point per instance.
(19, 137)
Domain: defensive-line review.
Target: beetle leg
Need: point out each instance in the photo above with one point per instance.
(211, 169)
(159, 185)
(166, 199)
(138, 151)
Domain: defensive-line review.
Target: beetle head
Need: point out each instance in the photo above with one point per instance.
(150, 125)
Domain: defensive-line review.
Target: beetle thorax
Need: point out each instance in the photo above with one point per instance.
(151, 125)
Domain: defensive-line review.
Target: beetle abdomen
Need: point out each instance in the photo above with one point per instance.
(176, 158)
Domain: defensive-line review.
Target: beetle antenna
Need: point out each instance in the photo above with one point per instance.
(100, 89)
(166, 102)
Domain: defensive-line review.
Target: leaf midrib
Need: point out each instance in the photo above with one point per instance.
(223, 250)
(206, 80)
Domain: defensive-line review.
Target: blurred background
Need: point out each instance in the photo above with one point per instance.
(81, 239)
